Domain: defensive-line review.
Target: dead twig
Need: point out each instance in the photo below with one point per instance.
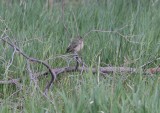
(12, 81)
(149, 62)
(32, 78)
(10, 61)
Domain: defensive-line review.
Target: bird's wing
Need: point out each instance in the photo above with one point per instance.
(72, 45)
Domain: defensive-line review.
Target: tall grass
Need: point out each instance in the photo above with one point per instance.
(40, 33)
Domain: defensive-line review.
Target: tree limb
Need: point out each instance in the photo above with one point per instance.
(53, 75)
(102, 70)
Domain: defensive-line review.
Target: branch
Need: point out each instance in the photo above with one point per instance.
(53, 75)
(102, 70)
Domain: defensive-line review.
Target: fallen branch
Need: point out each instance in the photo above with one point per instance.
(53, 75)
(102, 70)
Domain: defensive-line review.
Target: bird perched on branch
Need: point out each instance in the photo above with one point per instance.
(76, 45)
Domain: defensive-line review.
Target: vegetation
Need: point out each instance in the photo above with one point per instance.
(40, 33)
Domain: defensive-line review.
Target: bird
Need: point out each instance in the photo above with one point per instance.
(76, 45)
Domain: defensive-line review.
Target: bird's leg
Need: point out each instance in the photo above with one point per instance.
(77, 60)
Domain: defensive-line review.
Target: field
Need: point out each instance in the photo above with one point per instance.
(44, 33)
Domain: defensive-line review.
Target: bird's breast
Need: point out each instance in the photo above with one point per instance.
(79, 47)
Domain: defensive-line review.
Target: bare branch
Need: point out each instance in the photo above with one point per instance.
(102, 70)
(53, 75)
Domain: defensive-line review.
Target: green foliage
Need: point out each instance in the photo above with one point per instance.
(40, 33)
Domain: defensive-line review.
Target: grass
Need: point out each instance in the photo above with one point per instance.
(40, 33)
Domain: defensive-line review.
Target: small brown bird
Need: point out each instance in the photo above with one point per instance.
(76, 45)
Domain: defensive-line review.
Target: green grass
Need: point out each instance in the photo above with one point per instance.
(40, 33)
